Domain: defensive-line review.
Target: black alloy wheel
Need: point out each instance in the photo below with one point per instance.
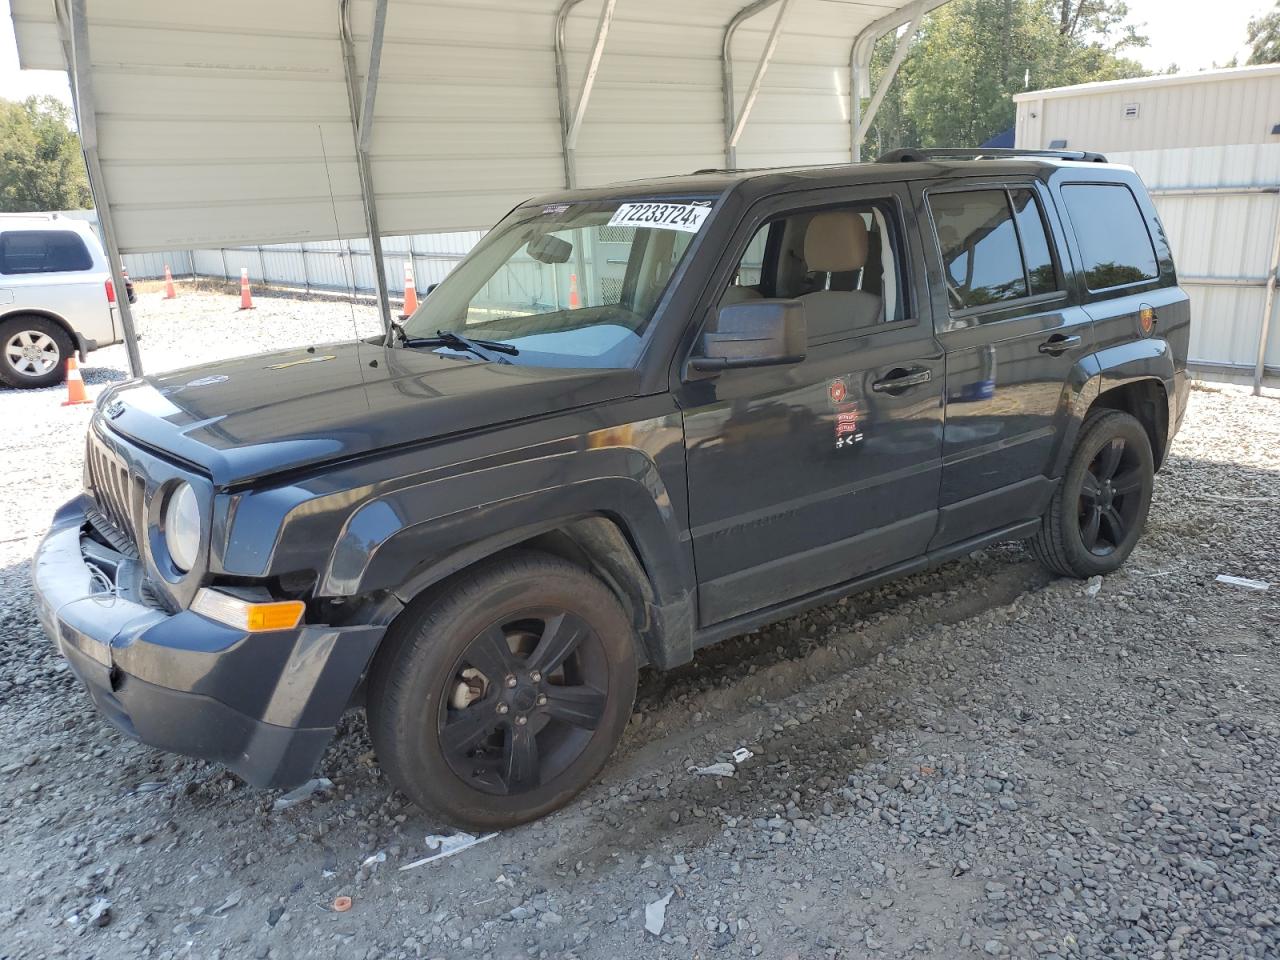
(1111, 497)
(499, 695)
(528, 693)
(1100, 506)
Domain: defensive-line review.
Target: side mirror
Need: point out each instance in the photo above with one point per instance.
(755, 333)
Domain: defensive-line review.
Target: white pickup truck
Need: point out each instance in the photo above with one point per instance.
(56, 297)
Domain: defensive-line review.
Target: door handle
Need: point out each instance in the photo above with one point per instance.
(1059, 343)
(901, 379)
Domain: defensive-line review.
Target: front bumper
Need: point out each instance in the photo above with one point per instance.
(265, 705)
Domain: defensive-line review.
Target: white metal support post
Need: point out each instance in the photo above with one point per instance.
(571, 124)
(361, 108)
(73, 27)
(735, 120)
(1264, 328)
(891, 71)
(856, 74)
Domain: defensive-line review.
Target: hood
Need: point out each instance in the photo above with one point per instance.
(253, 416)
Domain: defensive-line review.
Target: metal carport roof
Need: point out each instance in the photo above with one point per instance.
(230, 122)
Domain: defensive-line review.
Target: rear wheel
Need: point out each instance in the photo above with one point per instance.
(499, 698)
(1100, 508)
(33, 352)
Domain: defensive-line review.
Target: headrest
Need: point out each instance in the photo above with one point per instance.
(835, 242)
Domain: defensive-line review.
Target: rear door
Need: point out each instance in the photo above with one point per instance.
(1013, 334)
(816, 473)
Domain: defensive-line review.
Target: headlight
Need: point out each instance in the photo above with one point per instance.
(182, 527)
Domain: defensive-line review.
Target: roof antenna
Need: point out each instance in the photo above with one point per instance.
(337, 235)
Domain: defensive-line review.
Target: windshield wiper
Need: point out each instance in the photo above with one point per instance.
(456, 341)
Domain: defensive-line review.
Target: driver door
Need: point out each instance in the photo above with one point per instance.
(809, 475)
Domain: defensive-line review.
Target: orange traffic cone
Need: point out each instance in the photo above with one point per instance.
(246, 298)
(574, 302)
(169, 292)
(75, 385)
(410, 291)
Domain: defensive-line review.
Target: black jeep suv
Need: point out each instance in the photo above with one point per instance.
(635, 420)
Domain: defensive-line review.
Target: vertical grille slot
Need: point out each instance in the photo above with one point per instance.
(118, 494)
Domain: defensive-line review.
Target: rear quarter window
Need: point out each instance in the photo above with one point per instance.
(1114, 242)
(43, 251)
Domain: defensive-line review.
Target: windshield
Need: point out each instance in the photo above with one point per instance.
(566, 284)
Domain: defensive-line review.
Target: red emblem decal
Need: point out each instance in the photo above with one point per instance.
(836, 391)
(848, 431)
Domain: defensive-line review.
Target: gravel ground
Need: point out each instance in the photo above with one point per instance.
(979, 761)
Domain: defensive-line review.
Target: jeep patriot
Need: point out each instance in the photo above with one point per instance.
(635, 420)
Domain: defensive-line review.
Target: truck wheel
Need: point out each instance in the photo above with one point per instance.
(496, 700)
(33, 352)
(1100, 508)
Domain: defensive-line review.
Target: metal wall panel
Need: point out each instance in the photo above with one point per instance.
(1222, 241)
(1212, 108)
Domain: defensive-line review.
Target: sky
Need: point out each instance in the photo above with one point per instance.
(1194, 34)
(16, 84)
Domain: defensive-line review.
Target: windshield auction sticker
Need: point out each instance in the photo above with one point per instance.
(686, 217)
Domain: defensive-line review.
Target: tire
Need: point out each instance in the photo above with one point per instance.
(538, 736)
(1100, 508)
(33, 352)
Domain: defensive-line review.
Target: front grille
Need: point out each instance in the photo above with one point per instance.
(118, 493)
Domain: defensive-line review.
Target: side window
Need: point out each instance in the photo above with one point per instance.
(1042, 273)
(1113, 236)
(979, 247)
(42, 251)
(844, 263)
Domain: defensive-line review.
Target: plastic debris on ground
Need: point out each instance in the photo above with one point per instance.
(1243, 583)
(99, 914)
(1094, 586)
(722, 769)
(448, 846)
(304, 792)
(655, 914)
(742, 755)
(341, 904)
(379, 857)
(232, 900)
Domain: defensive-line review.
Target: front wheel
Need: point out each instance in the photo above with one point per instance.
(499, 698)
(1100, 508)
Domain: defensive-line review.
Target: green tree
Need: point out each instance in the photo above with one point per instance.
(41, 167)
(970, 57)
(1264, 37)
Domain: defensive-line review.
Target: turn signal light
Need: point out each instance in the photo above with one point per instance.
(243, 615)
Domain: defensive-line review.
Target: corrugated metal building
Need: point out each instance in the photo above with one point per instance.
(1208, 147)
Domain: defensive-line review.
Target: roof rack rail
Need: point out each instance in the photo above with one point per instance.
(924, 154)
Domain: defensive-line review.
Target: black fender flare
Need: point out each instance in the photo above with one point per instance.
(1113, 367)
(407, 539)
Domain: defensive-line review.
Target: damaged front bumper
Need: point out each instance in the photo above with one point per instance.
(264, 704)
